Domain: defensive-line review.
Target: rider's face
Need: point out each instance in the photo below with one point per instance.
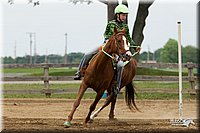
(122, 16)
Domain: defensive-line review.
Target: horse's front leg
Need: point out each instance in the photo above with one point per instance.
(112, 108)
(80, 94)
(93, 105)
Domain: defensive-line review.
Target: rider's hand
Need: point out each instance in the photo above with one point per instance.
(138, 48)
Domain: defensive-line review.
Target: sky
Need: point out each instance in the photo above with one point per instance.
(85, 25)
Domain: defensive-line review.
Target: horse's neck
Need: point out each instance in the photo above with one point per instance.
(102, 61)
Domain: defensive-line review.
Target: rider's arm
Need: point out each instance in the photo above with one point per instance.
(130, 40)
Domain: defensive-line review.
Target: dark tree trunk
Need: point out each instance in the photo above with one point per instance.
(111, 7)
(111, 4)
(139, 24)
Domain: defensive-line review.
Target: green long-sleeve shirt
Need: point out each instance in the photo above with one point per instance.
(110, 30)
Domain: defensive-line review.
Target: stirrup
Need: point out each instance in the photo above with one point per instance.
(77, 76)
(116, 91)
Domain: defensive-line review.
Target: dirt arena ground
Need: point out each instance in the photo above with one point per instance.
(46, 115)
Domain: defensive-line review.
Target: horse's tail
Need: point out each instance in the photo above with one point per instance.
(130, 96)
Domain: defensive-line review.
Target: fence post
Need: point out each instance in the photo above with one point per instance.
(47, 91)
(191, 79)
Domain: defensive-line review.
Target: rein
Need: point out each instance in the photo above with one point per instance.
(107, 53)
(118, 48)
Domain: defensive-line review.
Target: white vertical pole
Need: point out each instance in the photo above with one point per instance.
(65, 56)
(180, 71)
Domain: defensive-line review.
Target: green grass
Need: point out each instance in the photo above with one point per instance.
(65, 96)
(164, 85)
(140, 96)
(74, 88)
(39, 86)
(40, 71)
(158, 72)
(22, 70)
(71, 72)
(163, 96)
(138, 84)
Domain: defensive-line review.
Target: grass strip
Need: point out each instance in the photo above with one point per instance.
(72, 71)
(75, 86)
(141, 96)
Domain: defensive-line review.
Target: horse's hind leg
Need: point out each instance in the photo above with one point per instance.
(111, 114)
(80, 94)
(93, 105)
(107, 102)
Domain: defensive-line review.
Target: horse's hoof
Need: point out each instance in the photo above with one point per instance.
(67, 124)
(113, 119)
(90, 121)
(93, 116)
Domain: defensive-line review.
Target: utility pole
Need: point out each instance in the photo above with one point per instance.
(154, 56)
(15, 51)
(65, 56)
(31, 43)
(148, 55)
(35, 53)
(46, 57)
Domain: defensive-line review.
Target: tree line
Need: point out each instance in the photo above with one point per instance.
(167, 54)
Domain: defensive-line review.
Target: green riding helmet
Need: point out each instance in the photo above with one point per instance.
(121, 9)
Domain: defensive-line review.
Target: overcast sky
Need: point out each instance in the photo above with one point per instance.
(85, 25)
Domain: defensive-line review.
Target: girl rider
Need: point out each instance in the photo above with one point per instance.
(121, 12)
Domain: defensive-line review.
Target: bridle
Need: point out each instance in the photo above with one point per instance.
(118, 46)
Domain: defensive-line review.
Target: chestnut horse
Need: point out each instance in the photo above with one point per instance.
(99, 76)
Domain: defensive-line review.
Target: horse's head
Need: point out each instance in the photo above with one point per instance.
(118, 44)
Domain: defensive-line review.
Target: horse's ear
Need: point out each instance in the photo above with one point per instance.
(115, 30)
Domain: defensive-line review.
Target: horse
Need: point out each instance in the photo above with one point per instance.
(99, 76)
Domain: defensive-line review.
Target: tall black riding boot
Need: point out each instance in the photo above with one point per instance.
(120, 68)
(84, 61)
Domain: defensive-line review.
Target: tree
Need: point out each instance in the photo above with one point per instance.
(74, 57)
(189, 54)
(8, 60)
(144, 56)
(157, 54)
(169, 54)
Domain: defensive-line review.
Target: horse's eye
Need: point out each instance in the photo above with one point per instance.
(119, 41)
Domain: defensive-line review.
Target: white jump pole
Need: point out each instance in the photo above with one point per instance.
(180, 121)
(180, 71)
